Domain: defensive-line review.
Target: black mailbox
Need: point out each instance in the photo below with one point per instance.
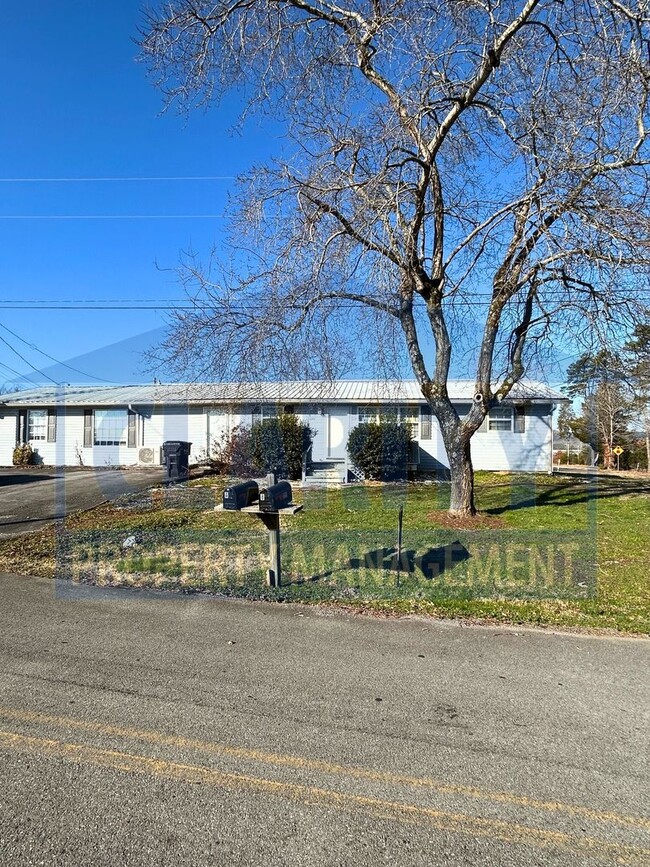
(176, 459)
(239, 496)
(275, 497)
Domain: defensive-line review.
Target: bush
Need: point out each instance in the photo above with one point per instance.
(380, 450)
(278, 445)
(24, 456)
(232, 454)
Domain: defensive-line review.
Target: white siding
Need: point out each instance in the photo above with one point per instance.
(499, 450)
(8, 433)
(491, 450)
(530, 451)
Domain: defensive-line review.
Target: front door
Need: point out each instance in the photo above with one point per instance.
(337, 434)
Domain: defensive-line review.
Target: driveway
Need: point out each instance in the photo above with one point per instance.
(31, 498)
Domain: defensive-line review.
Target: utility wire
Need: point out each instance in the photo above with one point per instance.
(51, 357)
(28, 363)
(17, 373)
(120, 180)
(111, 216)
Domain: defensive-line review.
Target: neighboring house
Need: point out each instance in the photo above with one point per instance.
(126, 425)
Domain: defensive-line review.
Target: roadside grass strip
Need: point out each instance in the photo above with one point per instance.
(340, 787)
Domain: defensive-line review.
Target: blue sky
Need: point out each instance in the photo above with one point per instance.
(75, 104)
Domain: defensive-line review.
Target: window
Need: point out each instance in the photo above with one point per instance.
(111, 427)
(425, 422)
(520, 419)
(500, 418)
(404, 414)
(37, 425)
(368, 414)
(261, 412)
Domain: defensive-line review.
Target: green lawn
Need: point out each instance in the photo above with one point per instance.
(563, 550)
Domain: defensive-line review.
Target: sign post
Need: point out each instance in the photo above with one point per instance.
(618, 451)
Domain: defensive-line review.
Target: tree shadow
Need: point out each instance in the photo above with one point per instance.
(581, 489)
(432, 564)
(21, 479)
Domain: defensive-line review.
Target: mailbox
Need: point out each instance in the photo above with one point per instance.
(275, 497)
(239, 496)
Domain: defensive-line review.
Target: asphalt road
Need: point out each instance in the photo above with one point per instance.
(34, 497)
(144, 729)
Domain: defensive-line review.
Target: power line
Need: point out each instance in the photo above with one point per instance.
(117, 179)
(51, 357)
(111, 216)
(17, 373)
(28, 363)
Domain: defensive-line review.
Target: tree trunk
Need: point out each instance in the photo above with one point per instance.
(647, 450)
(462, 479)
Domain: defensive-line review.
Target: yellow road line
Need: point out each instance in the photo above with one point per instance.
(303, 763)
(446, 821)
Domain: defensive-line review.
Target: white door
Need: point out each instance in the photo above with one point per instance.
(218, 428)
(337, 434)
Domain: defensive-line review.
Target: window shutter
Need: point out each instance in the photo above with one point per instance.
(88, 428)
(22, 428)
(51, 426)
(131, 435)
(425, 423)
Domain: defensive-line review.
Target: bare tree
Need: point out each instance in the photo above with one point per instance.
(637, 360)
(463, 158)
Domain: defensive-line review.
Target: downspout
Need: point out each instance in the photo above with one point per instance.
(553, 408)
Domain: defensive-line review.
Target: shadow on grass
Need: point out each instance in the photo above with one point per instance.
(582, 489)
(432, 564)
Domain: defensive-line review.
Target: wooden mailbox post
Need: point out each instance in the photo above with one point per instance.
(271, 521)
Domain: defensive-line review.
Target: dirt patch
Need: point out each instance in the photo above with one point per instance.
(441, 518)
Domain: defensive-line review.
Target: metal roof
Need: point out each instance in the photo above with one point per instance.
(299, 391)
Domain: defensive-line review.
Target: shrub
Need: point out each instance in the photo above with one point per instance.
(278, 445)
(380, 450)
(232, 454)
(24, 456)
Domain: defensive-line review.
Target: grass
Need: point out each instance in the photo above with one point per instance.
(560, 551)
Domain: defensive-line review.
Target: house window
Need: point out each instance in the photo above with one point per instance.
(425, 422)
(404, 414)
(368, 414)
(500, 418)
(409, 415)
(261, 412)
(111, 427)
(520, 419)
(37, 425)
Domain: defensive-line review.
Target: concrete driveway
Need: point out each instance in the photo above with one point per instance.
(34, 497)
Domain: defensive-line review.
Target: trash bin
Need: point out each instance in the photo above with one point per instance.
(176, 460)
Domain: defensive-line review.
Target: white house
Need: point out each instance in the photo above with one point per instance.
(126, 425)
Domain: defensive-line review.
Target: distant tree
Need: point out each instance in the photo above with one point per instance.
(444, 165)
(599, 379)
(637, 356)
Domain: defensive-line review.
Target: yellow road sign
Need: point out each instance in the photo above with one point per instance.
(618, 450)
